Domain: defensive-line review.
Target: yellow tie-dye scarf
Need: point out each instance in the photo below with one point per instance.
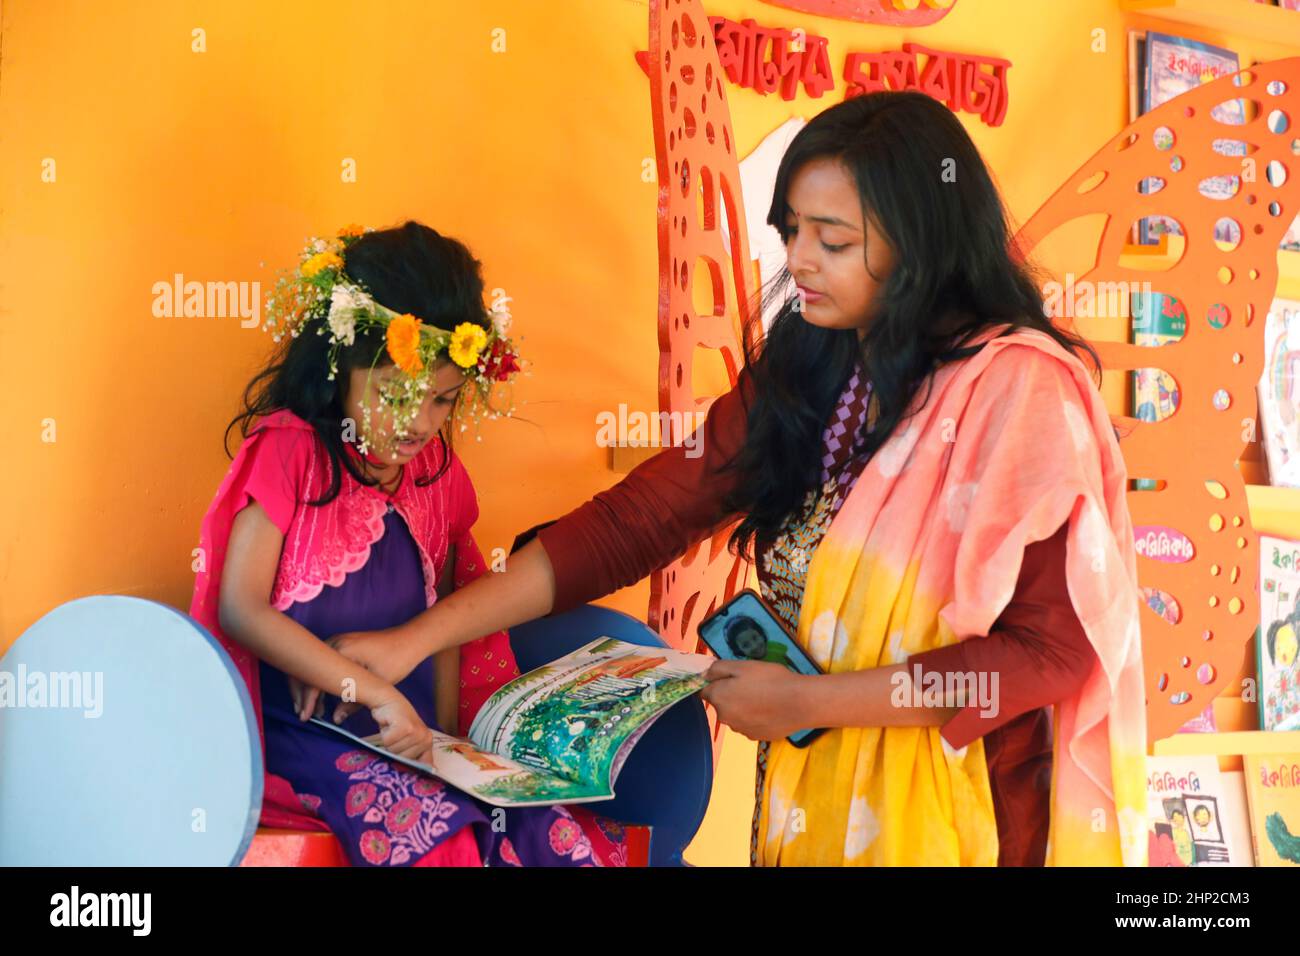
(1012, 443)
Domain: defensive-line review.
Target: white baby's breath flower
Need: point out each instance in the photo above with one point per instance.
(345, 301)
(501, 321)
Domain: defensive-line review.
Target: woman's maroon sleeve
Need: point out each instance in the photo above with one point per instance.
(663, 506)
(1037, 648)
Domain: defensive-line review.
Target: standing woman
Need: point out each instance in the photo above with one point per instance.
(927, 477)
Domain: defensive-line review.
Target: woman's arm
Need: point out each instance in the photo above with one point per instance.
(765, 701)
(246, 616)
(654, 514)
(1036, 654)
(878, 697)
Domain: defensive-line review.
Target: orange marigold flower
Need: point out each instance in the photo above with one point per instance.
(403, 338)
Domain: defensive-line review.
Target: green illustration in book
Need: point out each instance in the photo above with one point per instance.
(1286, 843)
(1273, 795)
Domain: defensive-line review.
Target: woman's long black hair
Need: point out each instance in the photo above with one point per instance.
(958, 271)
(409, 269)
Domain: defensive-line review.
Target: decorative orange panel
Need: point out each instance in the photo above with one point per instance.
(1197, 548)
(894, 13)
(1198, 557)
(695, 157)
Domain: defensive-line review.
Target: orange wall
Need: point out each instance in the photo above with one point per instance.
(217, 164)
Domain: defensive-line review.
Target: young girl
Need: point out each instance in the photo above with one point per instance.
(346, 509)
(928, 480)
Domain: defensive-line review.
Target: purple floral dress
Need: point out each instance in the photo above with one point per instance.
(386, 814)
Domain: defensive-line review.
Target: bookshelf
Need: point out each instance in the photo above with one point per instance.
(1243, 18)
(1240, 24)
(1273, 511)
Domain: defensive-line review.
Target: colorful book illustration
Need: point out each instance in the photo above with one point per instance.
(1273, 795)
(1202, 723)
(1157, 319)
(1174, 65)
(1279, 393)
(560, 733)
(1186, 801)
(1291, 240)
(1279, 634)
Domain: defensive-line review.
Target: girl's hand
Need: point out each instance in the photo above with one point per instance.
(400, 728)
(307, 701)
(386, 654)
(761, 700)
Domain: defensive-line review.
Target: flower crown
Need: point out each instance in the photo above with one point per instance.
(319, 287)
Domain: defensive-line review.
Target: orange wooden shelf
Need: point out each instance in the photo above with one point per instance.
(1244, 18)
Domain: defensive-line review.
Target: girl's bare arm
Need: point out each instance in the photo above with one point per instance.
(246, 615)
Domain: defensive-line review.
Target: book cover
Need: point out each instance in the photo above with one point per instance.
(560, 733)
(1202, 723)
(1186, 807)
(1137, 52)
(1279, 393)
(1176, 65)
(1276, 639)
(1137, 63)
(1157, 319)
(1273, 796)
(1291, 239)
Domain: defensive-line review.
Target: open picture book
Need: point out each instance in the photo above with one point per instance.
(560, 733)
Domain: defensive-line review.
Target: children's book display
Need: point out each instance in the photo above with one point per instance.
(1157, 319)
(1186, 801)
(1279, 401)
(560, 733)
(1279, 634)
(1199, 816)
(1273, 795)
(1174, 65)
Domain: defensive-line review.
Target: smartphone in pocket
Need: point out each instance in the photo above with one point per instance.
(746, 629)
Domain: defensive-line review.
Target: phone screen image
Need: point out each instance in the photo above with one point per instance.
(744, 629)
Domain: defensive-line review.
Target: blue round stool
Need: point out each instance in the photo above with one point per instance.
(145, 752)
(668, 777)
(144, 749)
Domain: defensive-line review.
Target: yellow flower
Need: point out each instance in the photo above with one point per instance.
(350, 230)
(467, 341)
(320, 262)
(403, 338)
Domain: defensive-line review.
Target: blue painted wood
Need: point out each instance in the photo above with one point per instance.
(168, 773)
(667, 779)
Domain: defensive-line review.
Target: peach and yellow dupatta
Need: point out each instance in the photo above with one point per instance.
(1012, 443)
